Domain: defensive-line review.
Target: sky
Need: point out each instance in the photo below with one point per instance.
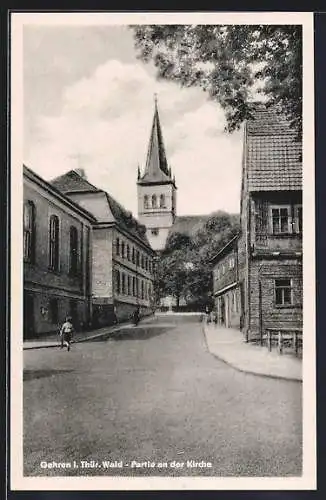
(89, 103)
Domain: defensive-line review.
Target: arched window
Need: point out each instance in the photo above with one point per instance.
(118, 246)
(154, 201)
(162, 201)
(122, 249)
(146, 201)
(29, 231)
(117, 282)
(54, 243)
(128, 252)
(73, 263)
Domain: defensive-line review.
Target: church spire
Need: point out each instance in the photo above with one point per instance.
(156, 168)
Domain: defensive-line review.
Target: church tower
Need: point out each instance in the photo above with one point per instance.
(156, 190)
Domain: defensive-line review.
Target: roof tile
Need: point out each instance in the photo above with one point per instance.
(274, 153)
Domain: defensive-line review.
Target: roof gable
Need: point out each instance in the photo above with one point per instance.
(101, 204)
(73, 181)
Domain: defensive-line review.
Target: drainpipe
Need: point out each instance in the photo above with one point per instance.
(260, 312)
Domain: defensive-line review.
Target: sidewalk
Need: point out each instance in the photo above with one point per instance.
(228, 345)
(54, 340)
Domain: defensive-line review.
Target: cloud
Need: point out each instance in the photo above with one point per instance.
(106, 119)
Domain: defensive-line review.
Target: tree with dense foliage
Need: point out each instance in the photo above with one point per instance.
(184, 268)
(231, 63)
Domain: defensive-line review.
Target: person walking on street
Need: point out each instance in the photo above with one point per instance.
(66, 333)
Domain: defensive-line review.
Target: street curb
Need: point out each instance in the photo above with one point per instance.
(86, 339)
(250, 372)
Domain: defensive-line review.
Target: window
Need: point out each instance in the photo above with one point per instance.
(142, 289)
(154, 201)
(142, 262)
(117, 281)
(73, 264)
(123, 249)
(29, 231)
(146, 263)
(162, 201)
(146, 201)
(118, 246)
(137, 287)
(283, 292)
(134, 286)
(54, 243)
(54, 310)
(137, 258)
(123, 282)
(154, 231)
(280, 220)
(133, 255)
(298, 218)
(128, 252)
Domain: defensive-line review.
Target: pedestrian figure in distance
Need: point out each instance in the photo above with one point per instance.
(66, 333)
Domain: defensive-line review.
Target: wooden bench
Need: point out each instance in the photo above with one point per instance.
(289, 337)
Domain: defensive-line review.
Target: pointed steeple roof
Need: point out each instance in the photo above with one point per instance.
(156, 169)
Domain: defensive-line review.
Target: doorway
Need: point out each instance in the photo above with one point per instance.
(28, 316)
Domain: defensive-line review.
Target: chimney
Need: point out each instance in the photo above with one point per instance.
(81, 172)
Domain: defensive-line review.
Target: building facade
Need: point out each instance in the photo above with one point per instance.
(267, 278)
(57, 237)
(270, 245)
(226, 288)
(122, 259)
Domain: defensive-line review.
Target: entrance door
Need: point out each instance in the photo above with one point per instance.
(28, 316)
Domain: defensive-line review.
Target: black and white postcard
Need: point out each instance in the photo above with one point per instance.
(162, 251)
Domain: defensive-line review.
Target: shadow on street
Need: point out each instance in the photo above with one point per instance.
(35, 374)
(135, 333)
